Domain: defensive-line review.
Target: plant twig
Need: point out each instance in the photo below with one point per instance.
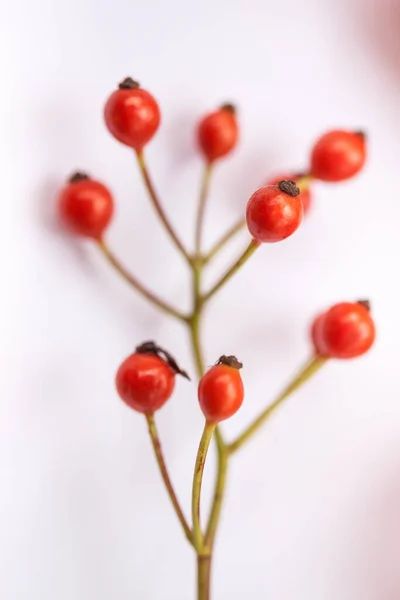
(158, 206)
(202, 207)
(137, 285)
(220, 484)
(166, 478)
(197, 482)
(236, 227)
(305, 374)
(243, 258)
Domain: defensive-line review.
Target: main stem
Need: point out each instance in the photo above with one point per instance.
(204, 558)
(203, 577)
(195, 320)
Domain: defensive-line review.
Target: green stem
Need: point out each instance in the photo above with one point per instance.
(238, 226)
(202, 207)
(243, 258)
(203, 577)
(222, 466)
(158, 206)
(220, 484)
(221, 446)
(197, 482)
(155, 440)
(305, 374)
(135, 283)
(204, 559)
(304, 182)
(195, 321)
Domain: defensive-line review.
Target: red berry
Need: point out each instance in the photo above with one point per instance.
(86, 206)
(338, 155)
(274, 212)
(221, 390)
(317, 335)
(346, 330)
(145, 382)
(218, 133)
(304, 196)
(132, 115)
(146, 379)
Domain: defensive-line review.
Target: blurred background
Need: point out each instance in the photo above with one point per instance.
(312, 509)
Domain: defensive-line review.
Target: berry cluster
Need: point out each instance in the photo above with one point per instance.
(145, 381)
(274, 212)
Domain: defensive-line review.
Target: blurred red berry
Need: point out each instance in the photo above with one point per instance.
(221, 390)
(346, 330)
(338, 155)
(317, 335)
(146, 379)
(85, 206)
(218, 133)
(305, 195)
(274, 212)
(132, 115)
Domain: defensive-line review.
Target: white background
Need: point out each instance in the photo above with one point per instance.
(313, 505)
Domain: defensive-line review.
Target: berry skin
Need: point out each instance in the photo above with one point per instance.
(346, 330)
(217, 133)
(145, 382)
(305, 196)
(221, 390)
(338, 155)
(85, 206)
(146, 379)
(273, 214)
(132, 115)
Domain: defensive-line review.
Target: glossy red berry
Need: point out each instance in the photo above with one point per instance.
(85, 206)
(346, 330)
(305, 195)
(217, 133)
(145, 382)
(338, 155)
(146, 379)
(221, 390)
(132, 115)
(274, 212)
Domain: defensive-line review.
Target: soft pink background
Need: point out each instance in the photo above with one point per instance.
(313, 507)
